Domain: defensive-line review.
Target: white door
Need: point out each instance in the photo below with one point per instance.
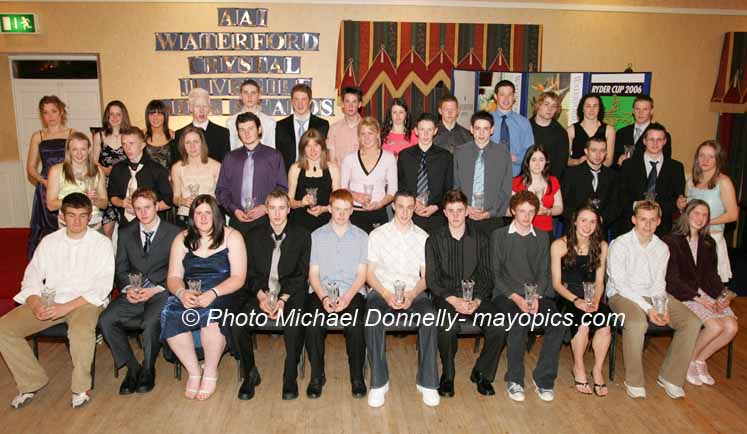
(83, 101)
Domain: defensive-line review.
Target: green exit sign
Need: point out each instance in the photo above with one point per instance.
(19, 23)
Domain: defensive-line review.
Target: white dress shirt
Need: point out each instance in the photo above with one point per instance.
(268, 130)
(72, 268)
(635, 271)
(202, 125)
(647, 160)
(398, 255)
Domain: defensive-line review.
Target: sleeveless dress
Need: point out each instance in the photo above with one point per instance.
(211, 271)
(574, 278)
(43, 222)
(580, 138)
(713, 198)
(204, 180)
(161, 154)
(398, 142)
(109, 157)
(67, 187)
(323, 184)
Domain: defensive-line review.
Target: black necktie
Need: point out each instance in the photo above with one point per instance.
(148, 240)
(651, 184)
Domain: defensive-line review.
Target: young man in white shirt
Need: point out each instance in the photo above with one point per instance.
(636, 271)
(250, 102)
(67, 281)
(396, 255)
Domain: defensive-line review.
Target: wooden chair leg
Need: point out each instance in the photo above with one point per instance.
(178, 370)
(729, 358)
(139, 341)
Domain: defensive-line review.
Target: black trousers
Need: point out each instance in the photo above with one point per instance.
(354, 340)
(547, 364)
(243, 227)
(146, 315)
(293, 337)
(488, 225)
(432, 223)
(367, 219)
(487, 362)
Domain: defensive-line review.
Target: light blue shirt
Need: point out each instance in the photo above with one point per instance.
(521, 134)
(338, 257)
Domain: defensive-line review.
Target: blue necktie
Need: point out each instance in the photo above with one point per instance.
(478, 183)
(505, 136)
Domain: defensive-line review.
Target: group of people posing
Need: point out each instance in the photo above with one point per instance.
(266, 217)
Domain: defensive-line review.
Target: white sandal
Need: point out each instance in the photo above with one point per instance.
(193, 392)
(213, 380)
(21, 400)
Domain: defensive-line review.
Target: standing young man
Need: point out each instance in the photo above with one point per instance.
(217, 138)
(288, 131)
(449, 134)
(250, 103)
(549, 133)
(512, 130)
(643, 116)
(342, 139)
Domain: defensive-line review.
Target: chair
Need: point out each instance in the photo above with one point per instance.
(655, 330)
(59, 332)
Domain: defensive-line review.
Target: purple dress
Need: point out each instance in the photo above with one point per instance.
(43, 221)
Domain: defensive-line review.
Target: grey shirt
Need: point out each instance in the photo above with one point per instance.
(338, 257)
(498, 175)
(517, 260)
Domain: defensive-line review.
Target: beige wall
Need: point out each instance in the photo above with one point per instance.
(682, 51)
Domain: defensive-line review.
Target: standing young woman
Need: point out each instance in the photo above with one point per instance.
(692, 278)
(313, 170)
(535, 177)
(159, 138)
(108, 151)
(398, 133)
(716, 189)
(195, 173)
(47, 147)
(78, 174)
(579, 258)
(371, 176)
(590, 113)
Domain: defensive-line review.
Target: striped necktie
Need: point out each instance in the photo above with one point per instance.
(422, 175)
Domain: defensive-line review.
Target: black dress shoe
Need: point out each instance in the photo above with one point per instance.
(446, 388)
(246, 391)
(146, 381)
(290, 390)
(358, 388)
(483, 385)
(315, 387)
(130, 383)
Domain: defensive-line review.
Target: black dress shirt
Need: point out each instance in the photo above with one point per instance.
(451, 139)
(554, 139)
(449, 261)
(439, 166)
(578, 190)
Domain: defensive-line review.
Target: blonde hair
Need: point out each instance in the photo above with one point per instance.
(67, 164)
(196, 94)
(372, 124)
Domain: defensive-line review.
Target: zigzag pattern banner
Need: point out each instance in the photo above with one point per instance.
(730, 91)
(392, 58)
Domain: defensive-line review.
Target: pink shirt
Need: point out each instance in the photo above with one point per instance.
(396, 142)
(343, 140)
(383, 176)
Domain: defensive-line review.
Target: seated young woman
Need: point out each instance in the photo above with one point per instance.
(578, 260)
(693, 279)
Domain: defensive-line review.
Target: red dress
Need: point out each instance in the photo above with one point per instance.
(542, 222)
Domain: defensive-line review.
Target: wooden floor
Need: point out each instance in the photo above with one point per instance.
(716, 409)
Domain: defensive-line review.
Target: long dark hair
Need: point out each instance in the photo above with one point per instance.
(125, 117)
(595, 240)
(580, 108)
(682, 225)
(388, 123)
(526, 175)
(156, 106)
(192, 240)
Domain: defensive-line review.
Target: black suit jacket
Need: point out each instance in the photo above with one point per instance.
(285, 137)
(577, 191)
(670, 184)
(217, 137)
(131, 257)
(293, 267)
(152, 176)
(685, 276)
(624, 137)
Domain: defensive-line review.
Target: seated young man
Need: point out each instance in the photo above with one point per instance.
(636, 272)
(454, 254)
(520, 259)
(277, 262)
(141, 249)
(339, 256)
(67, 281)
(396, 256)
